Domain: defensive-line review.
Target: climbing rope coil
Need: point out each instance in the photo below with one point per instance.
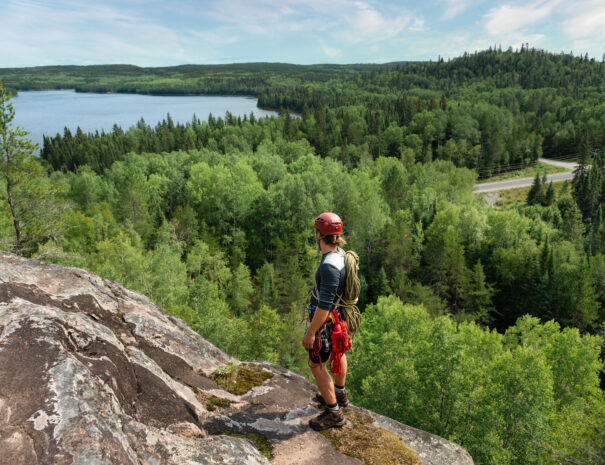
(348, 302)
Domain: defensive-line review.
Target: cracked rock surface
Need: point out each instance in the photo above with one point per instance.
(93, 373)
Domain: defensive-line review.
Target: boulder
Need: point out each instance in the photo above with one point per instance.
(93, 373)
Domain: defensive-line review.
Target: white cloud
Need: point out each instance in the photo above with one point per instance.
(586, 19)
(364, 23)
(349, 20)
(505, 19)
(331, 52)
(213, 37)
(454, 44)
(418, 25)
(455, 7)
(71, 32)
(534, 40)
(584, 24)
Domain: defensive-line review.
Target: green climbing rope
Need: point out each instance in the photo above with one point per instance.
(348, 301)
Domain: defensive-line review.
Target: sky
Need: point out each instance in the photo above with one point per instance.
(166, 33)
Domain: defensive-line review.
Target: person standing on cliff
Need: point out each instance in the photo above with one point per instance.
(330, 282)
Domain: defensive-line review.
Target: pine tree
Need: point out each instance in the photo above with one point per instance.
(595, 240)
(573, 227)
(594, 194)
(534, 196)
(580, 173)
(480, 296)
(549, 196)
(382, 284)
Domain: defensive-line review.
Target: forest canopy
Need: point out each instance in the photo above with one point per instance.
(484, 325)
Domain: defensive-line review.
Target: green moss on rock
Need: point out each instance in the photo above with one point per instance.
(210, 402)
(258, 440)
(359, 438)
(241, 380)
(213, 402)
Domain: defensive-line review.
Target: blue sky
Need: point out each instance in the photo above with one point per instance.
(162, 33)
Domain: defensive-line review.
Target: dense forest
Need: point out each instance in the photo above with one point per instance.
(483, 325)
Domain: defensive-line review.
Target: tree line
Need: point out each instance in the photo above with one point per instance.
(489, 111)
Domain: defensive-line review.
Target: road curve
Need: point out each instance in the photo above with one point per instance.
(525, 182)
(565, 164)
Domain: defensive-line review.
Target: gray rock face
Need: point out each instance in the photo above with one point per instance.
(93, 373)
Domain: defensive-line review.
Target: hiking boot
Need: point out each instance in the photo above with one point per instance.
(343, 401)
(328, 419)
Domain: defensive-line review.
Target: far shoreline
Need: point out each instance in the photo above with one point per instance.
(156, 94)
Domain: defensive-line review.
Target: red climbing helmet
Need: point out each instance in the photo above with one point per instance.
(328, 223)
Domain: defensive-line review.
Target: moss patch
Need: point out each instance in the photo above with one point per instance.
(210, 402)
(213, 402)
(373, 446)
(258, 440)
(240, 380)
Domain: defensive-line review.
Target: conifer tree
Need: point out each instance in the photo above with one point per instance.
(534, 196)
(595, 240)
(549, 196)
(382, 284)
(479, 296)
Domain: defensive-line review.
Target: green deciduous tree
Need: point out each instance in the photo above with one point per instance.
(35, 214)
(503, 397)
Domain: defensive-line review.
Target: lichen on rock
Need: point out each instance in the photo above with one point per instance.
(258, 440)
(361, 438)
(91, 372)
(239, 379)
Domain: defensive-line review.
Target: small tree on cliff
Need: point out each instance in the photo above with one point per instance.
(15, 162)
(31, 198)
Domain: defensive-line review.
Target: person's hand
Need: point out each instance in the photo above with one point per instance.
(308, 340)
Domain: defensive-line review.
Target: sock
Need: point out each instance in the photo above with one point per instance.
(332, 407)
(339, 389)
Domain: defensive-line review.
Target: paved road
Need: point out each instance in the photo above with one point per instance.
(564, 164)
(524, 182)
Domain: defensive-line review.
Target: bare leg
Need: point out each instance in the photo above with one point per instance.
(340, 379)
(324, 382)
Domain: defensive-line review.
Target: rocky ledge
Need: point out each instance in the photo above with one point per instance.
(93, 373)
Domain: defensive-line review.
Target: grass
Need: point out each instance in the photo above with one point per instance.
(513, 196)
(240, 379)
(530, 171)
(258, 440)
(359, 438)
(519, 196)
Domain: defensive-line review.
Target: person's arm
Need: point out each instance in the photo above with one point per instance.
(319, 319)
(327, 293)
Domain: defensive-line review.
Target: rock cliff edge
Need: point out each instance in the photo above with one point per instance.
(93, 373)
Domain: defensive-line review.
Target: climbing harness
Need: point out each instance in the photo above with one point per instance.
(338, 338)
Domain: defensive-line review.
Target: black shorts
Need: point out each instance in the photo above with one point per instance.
(326, 347)
(325, 334)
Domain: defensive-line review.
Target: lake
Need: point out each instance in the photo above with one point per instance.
(49, 112)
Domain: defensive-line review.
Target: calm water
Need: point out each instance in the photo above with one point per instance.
(48, 112)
